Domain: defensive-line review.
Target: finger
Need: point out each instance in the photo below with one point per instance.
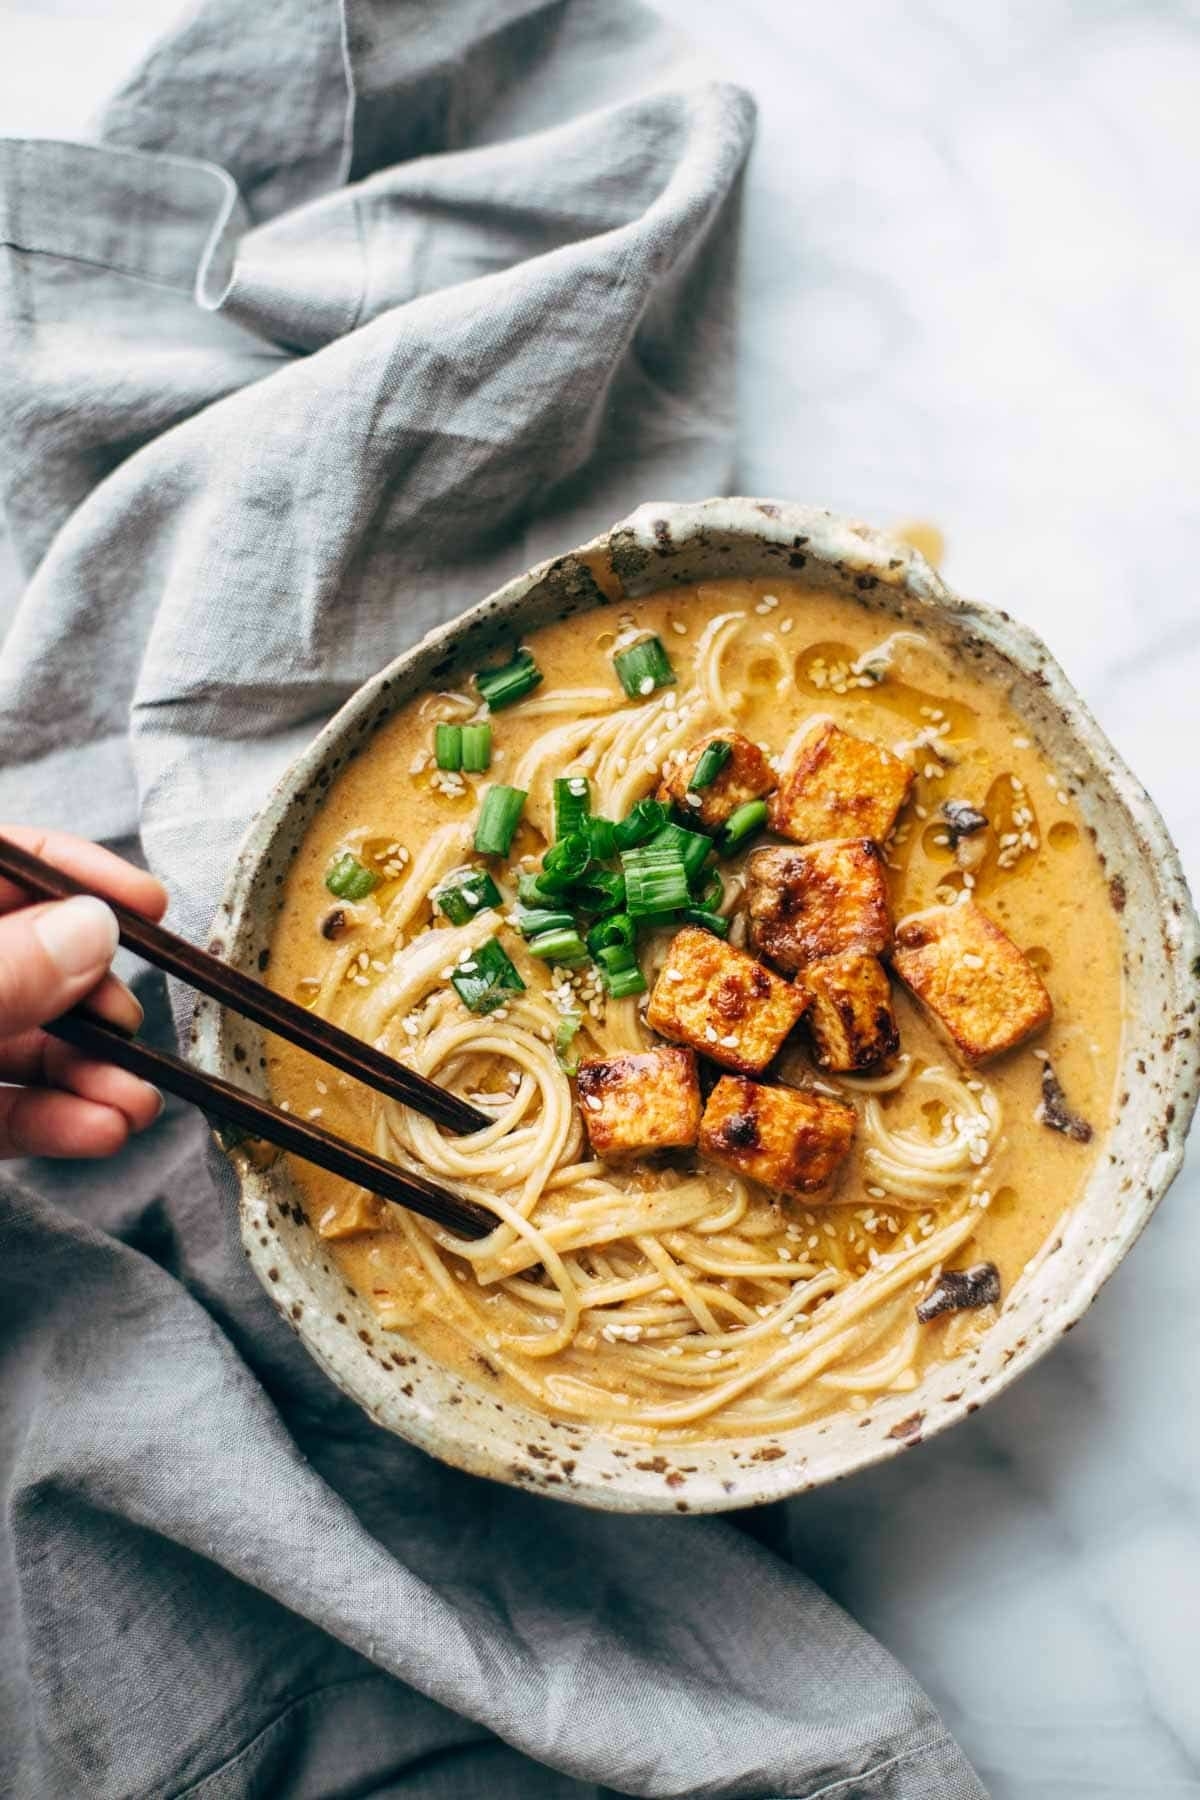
(101, 1082)
(50, 957)
(113, 1001)
(41, 1122)
(98, 869)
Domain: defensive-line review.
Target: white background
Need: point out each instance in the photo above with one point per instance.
(972, 295)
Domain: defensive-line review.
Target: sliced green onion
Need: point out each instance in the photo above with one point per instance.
(655, 882)
(710, 921)
(647, 817)
(476, 749)
(602, 892)
(498, 819)
(713, 758)
(349, 879)
(742, 824)
(572, 804)
(564, 863)
(617, 931)
(615, 957)
(447, 746)
(691, 846)
(565, 946)
(643, 667)
(532, 921)
(505, 686)
(621, 983)
(531, 893)
(601, 837)
(465, 893)
(712, 893)
(564, 1043)
(486, 978)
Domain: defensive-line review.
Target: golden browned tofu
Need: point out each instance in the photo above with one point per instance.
(746, 776)
(851, 1018)
(839, 786)
(817, 901)
(786, 1139)
(647, 1100)
(982, 990)
(722, 1002)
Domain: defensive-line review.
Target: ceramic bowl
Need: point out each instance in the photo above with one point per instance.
(659, 546)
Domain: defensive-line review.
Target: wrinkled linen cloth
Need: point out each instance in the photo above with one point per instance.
(346, 315)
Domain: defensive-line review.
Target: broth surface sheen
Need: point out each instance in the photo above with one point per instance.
(763, 1314)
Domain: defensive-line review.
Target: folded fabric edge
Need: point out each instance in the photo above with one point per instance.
(195, 207)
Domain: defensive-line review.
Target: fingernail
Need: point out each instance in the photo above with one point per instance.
(78, 935)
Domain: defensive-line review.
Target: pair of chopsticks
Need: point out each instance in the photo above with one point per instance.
(233, 1105)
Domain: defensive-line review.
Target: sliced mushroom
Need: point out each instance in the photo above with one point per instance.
(956, 1290)
(963, 820)
(1053, 1109)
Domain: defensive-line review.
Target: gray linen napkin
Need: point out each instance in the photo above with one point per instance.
(348, 314)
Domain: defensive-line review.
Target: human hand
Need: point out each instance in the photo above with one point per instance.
(53, 954)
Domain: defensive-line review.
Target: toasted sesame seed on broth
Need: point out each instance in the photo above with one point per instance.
(663, 1293)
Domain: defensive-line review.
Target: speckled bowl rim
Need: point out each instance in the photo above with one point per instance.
(659, 545)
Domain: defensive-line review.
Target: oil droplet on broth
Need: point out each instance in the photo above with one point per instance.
(1062, 834)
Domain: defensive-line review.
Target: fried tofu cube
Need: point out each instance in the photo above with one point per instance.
(646, 1100)
(782, 1137)
(982, 990)
(851, 1018)
(818, 900)
(722, 1002)
(747, 775)
(839, 786)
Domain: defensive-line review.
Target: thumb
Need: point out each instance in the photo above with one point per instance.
(50, 957)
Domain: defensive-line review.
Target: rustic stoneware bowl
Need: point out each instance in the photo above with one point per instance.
(660, 545)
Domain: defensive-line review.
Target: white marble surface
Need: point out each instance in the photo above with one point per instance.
(973, 296)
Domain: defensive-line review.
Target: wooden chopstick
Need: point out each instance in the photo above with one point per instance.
(253, 999)
(233, 1105)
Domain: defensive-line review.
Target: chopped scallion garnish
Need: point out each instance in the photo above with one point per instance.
(742, 824)
(464, 893)
(692, 846)
(531, 921)
(602, 892)
(601, 837)
(564, 863)
(655, 881)
(709, 921)
(563, 946)
(712, 760)
(564, 1043)
(476, 749)
(621, 977)
(447, 746)
(647, 817)
(486, 978)
(531, 893)
(505, 686)
(572, 804)
(498, 819)
(643, 667)
(617, 931)
(712, 893)
(350, 879)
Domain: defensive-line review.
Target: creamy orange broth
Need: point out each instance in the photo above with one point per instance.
(1052, 900)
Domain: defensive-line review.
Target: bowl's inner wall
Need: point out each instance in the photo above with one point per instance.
(407, 1392)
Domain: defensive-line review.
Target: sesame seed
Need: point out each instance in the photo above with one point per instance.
(677, 625)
